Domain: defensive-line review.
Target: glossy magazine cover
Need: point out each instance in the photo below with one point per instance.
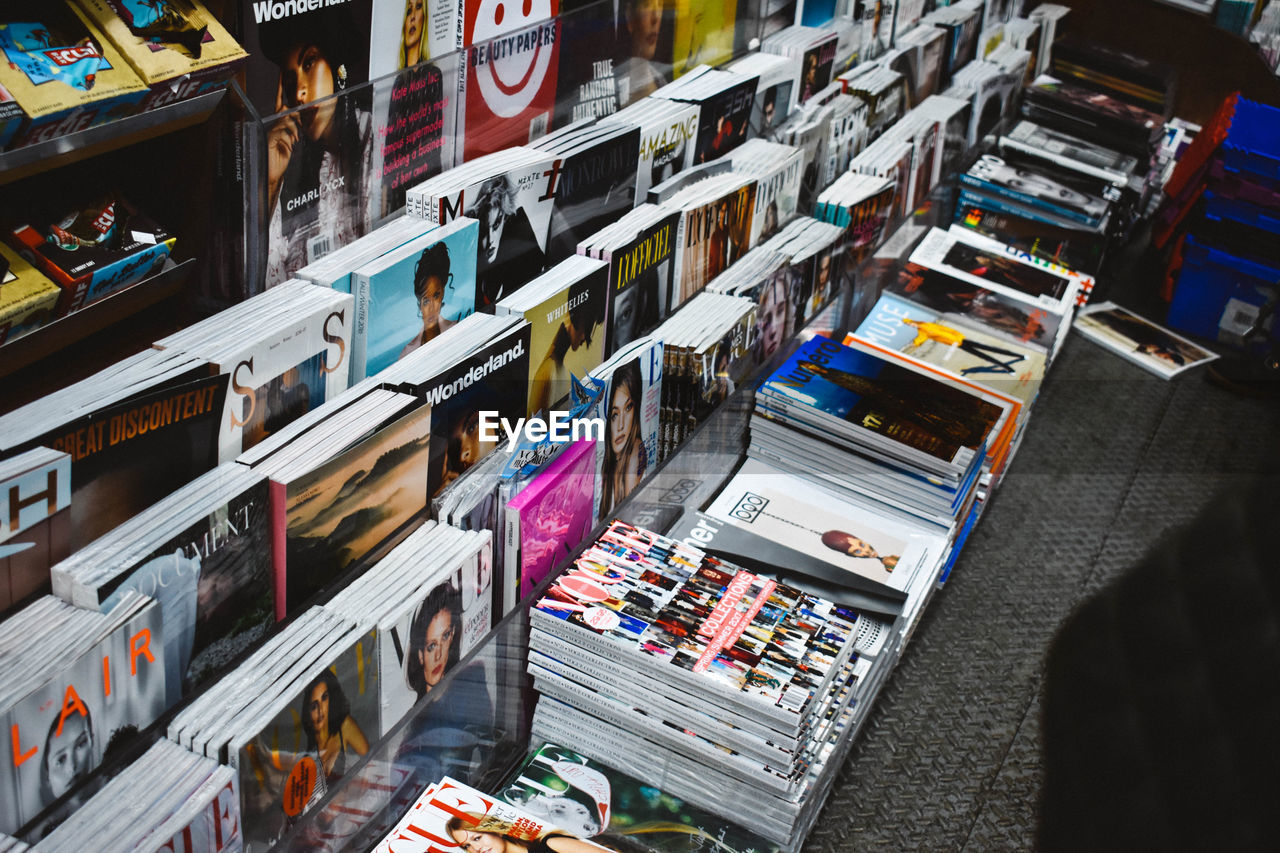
(589, 798)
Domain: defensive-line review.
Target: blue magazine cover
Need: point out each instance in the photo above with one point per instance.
(412, 294)
(910, 409)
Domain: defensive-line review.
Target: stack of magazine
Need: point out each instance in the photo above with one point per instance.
(431, 601)
(204, 554)
(917, 436)
(60, 708)
(701, 675)
(289, 720)
(178, 801)
(707, 351)
(591, 799)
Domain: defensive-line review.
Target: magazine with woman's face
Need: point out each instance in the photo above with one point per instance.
(1056, 188)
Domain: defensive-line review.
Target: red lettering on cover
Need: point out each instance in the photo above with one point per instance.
(224, 812)
(70, 702)
(456, 810)
(449, 843)
(142, 648)
(18, 755)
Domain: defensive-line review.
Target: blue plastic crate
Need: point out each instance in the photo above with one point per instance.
(1217, 206)
(1253, 143)
(1219, 294)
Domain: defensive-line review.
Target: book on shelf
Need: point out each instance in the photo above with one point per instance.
(490, 374)
(128, 447)
(714, 229)
(1054, 191)
(284, 352)
(588, 80)
(301, 732)
(185, 802)
(35, 521)
(725, 100)
(319, 140)
(334, 269)
(431, 599)
(565, 308)
(414, 133)
(343, 489)
(779, 78)
(514, 210)
(667, 133)
(482, 20)
(641, 252)
(1082, 282)
(630, 406)
(276, 36)
(595, 185)
(410, 35)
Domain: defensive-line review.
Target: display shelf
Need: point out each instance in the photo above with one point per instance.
(83, 144)
(78, 325)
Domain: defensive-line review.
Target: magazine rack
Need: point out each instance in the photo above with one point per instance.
(475, 725)
(283, 206)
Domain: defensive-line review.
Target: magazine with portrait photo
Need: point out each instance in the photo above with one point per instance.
(494, 379)
(641, 274)
(313, 740)
(60, 727)
(305, 70)
(630, 408)
(412, 294)
(514, 212)
(791, 511)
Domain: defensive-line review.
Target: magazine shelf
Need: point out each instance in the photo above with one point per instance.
(78, 325)
(475, 726)
(83, 144)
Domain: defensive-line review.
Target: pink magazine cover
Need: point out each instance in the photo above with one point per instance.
(554, 514)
